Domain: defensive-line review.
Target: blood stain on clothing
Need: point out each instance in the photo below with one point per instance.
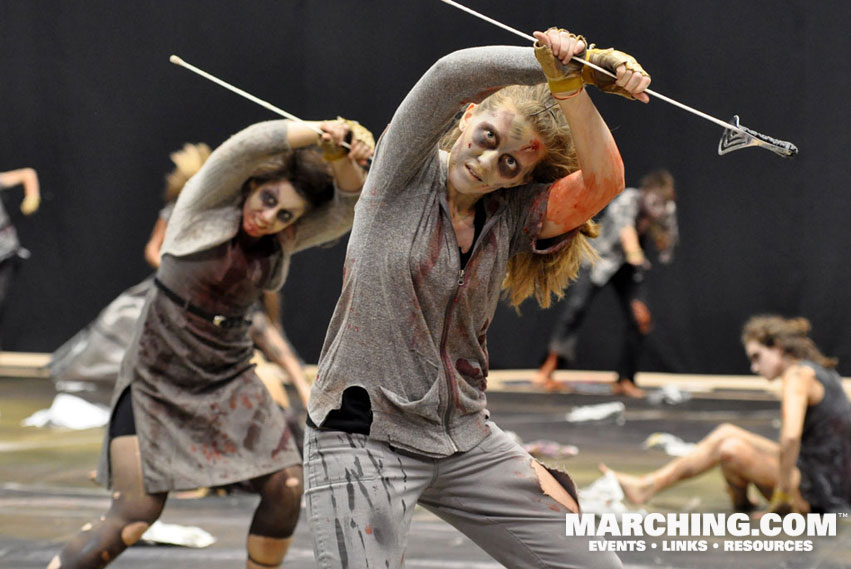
(468, 369)
(434, 248)
(282, 444)
(251, 436)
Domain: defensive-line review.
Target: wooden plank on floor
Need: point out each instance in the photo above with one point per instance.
(34, 364)
(24, 364)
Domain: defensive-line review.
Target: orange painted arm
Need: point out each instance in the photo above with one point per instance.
(578, 197)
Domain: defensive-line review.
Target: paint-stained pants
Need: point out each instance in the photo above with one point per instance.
(361, 495)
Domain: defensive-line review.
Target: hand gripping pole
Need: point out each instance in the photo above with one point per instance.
(735, 136)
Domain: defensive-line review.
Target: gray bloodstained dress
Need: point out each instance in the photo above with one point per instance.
(202, 416)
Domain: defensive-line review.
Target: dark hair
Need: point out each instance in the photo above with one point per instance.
(660, 181)
(788, 334)
(304, 169)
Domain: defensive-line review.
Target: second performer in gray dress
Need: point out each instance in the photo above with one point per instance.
(188, 410)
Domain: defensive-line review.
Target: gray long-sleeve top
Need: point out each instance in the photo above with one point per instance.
(410, 327)
(209, 209)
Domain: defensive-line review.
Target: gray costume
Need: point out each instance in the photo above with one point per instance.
(410, 329)
(202, 416)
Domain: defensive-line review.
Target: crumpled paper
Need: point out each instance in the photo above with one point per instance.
(70, 412)
(599, 412)
(604, 496)
(671, 444)
(668, 394)
(175, 534)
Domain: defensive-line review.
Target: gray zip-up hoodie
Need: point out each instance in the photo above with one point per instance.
(410, 327)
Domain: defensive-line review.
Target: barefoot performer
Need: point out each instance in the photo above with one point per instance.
(809, 469)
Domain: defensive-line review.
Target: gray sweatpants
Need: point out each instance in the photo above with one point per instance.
(361, 495)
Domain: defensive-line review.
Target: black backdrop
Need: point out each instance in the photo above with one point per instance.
(90, 100)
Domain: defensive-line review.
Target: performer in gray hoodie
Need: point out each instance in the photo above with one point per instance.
(188, 410)
(397, 413)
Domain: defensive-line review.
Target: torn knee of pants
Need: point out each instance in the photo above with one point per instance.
(558, 485)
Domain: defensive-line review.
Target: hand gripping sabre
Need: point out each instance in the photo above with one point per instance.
(735, 136)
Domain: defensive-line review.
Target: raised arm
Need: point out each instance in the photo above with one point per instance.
(578, 197)
(29, 179)
(334, 219)
(155, 243)
(462, 77)
(346, 163)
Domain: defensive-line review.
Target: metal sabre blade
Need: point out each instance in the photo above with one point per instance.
(736, 135)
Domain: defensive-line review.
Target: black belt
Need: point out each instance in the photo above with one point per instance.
(219, 320)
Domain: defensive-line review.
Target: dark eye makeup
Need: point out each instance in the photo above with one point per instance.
(485, 136)
(508, 166)
(269, 199)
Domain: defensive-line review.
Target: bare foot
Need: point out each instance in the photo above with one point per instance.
(636, 489)
(544, 381)
(629, 389)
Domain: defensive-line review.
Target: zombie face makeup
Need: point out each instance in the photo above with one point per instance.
(769, 362)
(496, 149)
(271, 207)
(653, 204)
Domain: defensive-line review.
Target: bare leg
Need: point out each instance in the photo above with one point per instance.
(544, 376)
(745, 458)
(275, 518)
(131, 513)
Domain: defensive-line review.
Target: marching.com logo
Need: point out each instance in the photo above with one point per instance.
(694, 526)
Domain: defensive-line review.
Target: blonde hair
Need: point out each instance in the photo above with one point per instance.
(187, 161)
(543, 276)
(788, 334)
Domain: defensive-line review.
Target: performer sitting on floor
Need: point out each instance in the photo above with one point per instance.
(809, 469)
(188, 410)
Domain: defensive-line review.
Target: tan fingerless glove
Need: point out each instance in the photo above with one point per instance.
(332, 152)
(561, 78)
(609, 59)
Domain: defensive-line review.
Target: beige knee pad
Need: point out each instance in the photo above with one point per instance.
(131, 533)
(266, 552)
